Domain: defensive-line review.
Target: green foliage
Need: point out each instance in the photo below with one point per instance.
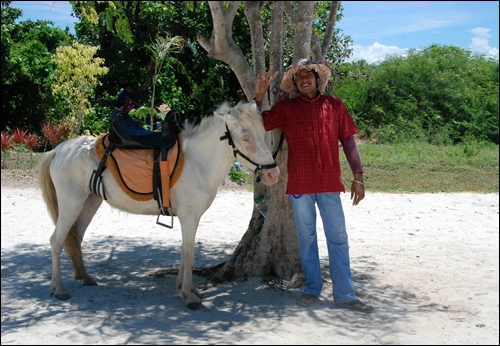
(144, 114)
(178, 83)
(440, 93)
(97, 121)
(75, 77)
(159, 52)
(239, 174)
(26, 66)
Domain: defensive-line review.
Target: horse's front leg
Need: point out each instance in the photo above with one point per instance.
(184, 282)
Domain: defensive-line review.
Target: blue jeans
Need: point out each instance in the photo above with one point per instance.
(332, 214)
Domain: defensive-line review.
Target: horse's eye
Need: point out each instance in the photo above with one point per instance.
(246, 138)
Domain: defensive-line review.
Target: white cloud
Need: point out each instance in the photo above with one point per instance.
(376, 52)
(480, 43)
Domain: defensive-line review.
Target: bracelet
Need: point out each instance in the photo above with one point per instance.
(359, 182)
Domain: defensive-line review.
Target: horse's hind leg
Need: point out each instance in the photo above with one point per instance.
(73, 244)
(69, 219)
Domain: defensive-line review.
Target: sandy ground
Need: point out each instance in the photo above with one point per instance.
(428, 263)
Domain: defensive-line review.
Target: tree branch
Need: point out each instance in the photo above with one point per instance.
(327, 38)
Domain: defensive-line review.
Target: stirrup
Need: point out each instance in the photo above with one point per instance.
(165, 212)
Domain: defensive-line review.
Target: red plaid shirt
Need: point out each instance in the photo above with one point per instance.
(312, 128)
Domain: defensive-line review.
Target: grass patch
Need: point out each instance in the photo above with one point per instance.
(422, 167)
(20, 160)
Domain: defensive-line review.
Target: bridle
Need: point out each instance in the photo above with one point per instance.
(236, 151)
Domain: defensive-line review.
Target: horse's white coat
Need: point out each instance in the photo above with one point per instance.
(207, 161)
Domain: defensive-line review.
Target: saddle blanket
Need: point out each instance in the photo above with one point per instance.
(133, 168)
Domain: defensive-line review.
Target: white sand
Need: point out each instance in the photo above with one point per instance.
(428, 263)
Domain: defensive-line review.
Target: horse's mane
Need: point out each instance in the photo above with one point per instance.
(192, 130)
(247, 111)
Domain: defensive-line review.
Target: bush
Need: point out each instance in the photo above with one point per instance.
(239, 175)
(56, 134)
(437, 94)
(7, 141)
(19, 141)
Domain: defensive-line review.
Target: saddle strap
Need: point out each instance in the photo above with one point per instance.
(95, 183)
(161, 177)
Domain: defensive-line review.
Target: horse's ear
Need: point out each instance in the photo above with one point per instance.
(222, 109)
(227, 114)
(253, 104)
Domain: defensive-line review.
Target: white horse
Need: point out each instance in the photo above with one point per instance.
(65, 171)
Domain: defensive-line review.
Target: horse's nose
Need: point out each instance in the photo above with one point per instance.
(270, 176)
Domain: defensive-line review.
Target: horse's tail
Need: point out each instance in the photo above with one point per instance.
(72, 245)
(47, 185)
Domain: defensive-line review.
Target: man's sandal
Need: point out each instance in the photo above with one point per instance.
(307, 299)
(356, 305)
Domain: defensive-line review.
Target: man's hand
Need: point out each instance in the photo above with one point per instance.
(357, 189)
(263, 82)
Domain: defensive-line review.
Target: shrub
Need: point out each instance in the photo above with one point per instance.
(19, 136)
(239, 175)
(56, 134)
(32, 141)
(7, 141)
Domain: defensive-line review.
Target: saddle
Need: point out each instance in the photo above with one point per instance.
(145, 164)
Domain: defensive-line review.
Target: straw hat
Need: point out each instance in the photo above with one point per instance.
(322, 68)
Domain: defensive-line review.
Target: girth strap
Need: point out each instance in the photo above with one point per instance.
(95, 183)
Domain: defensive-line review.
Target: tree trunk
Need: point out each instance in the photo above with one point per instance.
(269, 247)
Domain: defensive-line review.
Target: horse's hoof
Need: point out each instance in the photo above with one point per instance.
(194, 306)
(64, 296)
(93, 283)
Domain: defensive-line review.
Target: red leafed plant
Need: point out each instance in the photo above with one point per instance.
(7, 144)
(7, 141)
(32, 141)
(55, 134)
(19, 136)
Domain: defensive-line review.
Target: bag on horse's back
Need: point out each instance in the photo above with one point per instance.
(130, 134)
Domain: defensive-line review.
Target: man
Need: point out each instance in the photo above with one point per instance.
(313, 125)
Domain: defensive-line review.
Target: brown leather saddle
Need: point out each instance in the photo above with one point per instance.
(145, 164)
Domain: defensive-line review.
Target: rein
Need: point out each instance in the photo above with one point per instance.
(236, 151)
(282, 138)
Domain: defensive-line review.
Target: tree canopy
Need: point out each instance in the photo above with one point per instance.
(76, 75)
(392, 100)
(438, 94)
(27, 49)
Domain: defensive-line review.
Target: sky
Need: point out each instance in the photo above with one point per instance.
(377, 28)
